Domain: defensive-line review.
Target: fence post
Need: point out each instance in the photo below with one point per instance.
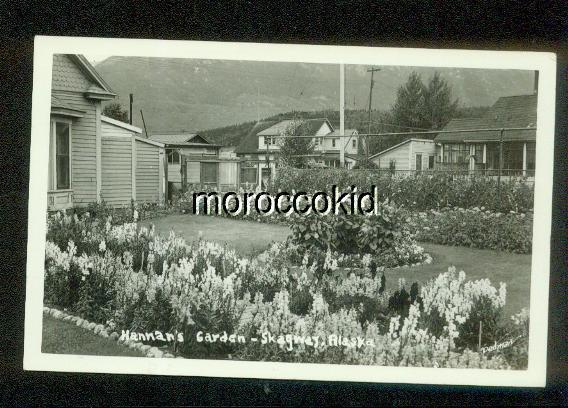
(500, 169)
(479, 340)
(183, 169)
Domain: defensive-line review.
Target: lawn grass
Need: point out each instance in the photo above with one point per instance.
(247, 237)
(59, 337)
(513, 269)
(250, 238)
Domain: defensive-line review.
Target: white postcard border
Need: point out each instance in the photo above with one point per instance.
(545, 63)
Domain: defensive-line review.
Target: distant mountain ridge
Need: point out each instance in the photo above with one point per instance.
(193, 95)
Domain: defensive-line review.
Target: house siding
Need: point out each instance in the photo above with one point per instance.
(116, 169)
(174, 175)
(147, 172)
(193, 172)
(425, 149)
(399, 155)
(228, 175)
(83, 148)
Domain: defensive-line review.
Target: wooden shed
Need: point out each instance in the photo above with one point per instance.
(410, 155)
(133, 167)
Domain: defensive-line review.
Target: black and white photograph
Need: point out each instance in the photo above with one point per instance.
(290, 211)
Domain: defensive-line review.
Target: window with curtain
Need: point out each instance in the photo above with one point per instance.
(60, 156)
(456, 153)
(513, 156)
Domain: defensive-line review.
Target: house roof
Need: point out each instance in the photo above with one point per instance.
(249, 143)
(508, 112)
(396, 146)
(182, 139)
(148, 141)
(121, 124)
(306, 127)
(101, 86)
(347, 132)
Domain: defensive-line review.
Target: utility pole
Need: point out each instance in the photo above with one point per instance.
(341, 115)
(131, 100)
(144, 122)
(372, 71)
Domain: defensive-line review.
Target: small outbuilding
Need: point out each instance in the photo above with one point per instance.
(133, 167)
(409, 155)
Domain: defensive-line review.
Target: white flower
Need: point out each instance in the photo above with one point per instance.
(102, 246)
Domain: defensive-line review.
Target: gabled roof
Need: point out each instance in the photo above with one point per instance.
(347, 132)
(306, 127)
(508, 112)
(396, 146)
(249, 143)
(182, 139)
(91, 72)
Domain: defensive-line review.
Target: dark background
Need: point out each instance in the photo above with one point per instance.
(528, 25)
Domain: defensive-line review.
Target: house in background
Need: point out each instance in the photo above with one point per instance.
(479, 152)
(260, 149)
(409, 155)
(190, 145)
(74, 175)
(133, 167)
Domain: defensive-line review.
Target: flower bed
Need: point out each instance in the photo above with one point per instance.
(476, 228)
(131, 279)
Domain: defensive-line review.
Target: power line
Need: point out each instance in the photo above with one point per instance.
(430, 132)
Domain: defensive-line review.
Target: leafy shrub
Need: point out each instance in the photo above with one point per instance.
(474, 228)
(420, 191)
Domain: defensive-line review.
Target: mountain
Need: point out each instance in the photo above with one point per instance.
(193, 94)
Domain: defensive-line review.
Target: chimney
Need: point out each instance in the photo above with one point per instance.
(535, 89)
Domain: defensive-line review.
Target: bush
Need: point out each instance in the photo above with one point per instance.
(420, 191)
(474, 228)
(346, 239)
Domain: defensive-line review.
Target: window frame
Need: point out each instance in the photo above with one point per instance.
(52, 170)
(202, 172)
(453, 151)
(171, 155)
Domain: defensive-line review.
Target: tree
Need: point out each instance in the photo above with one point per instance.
(419, 106)
(114, 110)
(294, 150)
(408, 109)
(438, 105)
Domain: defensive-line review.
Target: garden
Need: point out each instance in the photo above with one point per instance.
(344, 289)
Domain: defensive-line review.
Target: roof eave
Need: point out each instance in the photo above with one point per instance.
(100, 96)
